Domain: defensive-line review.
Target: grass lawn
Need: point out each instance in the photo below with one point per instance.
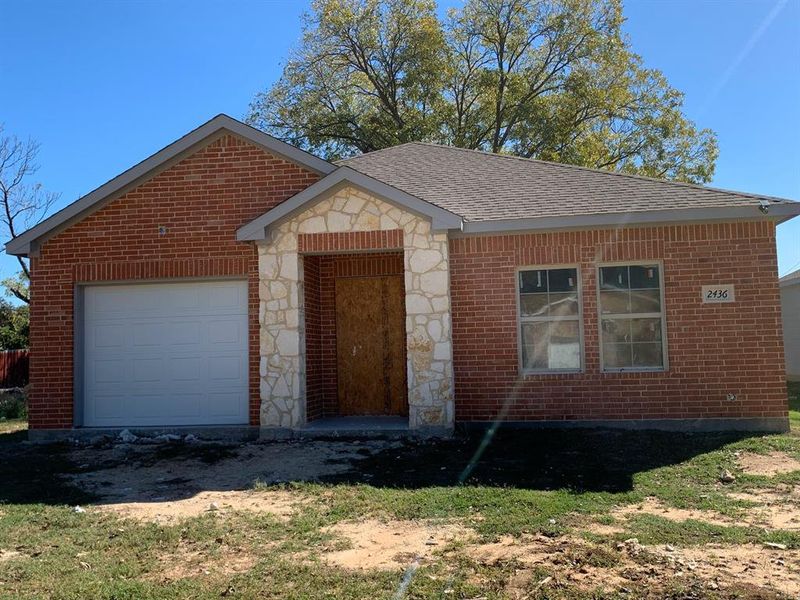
(794, 406)
(12, 425)
(537, 514)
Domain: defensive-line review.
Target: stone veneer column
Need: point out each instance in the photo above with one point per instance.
(282, 340)
(428, 327)
(428, 335)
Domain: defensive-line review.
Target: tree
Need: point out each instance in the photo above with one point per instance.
(14, 325)
(549, 79)
(366, 77)
(24, 204)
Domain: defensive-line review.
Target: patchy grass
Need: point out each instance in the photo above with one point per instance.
(518, 487)
(549, 485)
(794, 406)
(653, 529)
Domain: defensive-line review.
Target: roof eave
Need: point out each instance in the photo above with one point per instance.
(23, 244)
(790, 279)
(777, 212)
(441, 219)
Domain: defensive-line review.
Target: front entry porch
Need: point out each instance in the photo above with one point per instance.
(354, 301)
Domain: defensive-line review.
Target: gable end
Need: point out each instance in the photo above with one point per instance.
(28, 242)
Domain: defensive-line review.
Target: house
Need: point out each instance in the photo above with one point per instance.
(232, 280)
(790, 308)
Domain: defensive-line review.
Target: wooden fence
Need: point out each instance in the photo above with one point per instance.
(13, 368)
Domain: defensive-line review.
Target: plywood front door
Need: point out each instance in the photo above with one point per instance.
(370, 345)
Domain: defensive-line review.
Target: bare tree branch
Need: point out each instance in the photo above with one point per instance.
(24, 204)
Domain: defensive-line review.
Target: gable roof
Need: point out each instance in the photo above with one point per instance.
(495, 192)
(189, 143)
(457, 188)
(441, 219)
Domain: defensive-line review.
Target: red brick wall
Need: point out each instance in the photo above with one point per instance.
(320, 274)
(713, 349)
(349, 241)
(314, 333)
(201, 201)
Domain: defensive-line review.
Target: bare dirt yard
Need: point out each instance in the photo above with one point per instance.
(579, 514)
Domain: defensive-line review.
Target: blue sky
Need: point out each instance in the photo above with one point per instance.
(102, 85)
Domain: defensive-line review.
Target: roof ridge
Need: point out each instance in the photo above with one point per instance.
(549, 163)
(343, 161)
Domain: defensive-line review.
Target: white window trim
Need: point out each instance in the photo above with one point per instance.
(521, 320)
(662, 315)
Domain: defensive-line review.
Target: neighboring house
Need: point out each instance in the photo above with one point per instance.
(231, 279)
(790, 308)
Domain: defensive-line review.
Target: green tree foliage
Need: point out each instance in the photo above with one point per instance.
(14, 320)
(17, 286)
(549, 79)
(14, 325)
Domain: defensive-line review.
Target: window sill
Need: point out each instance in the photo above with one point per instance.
(552, 372)
(635, 370)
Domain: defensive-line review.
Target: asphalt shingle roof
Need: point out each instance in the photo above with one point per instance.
(480, 186)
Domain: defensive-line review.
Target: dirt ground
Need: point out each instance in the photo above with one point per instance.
(613, 567)
(187, 562)
(393, 544)
(769, 465)
(168, 483)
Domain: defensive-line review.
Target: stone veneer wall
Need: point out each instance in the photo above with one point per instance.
(281, 311)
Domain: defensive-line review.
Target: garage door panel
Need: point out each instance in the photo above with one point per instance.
(110, 406)
(108, 336)
(147, 370)
(146, 333)
(186, 368)
(184, 298)
(108, 371)
(150, 406)
(183, 333)
(226, 298)
(225, 369)
(147, 362)
(225, 331)
(220, 404)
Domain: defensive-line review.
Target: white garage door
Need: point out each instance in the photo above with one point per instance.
(165, 354)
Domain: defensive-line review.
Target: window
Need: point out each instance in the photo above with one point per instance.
(549, 314)
(631, 317)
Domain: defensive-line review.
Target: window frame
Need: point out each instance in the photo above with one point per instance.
(520, 320)
(662, 315)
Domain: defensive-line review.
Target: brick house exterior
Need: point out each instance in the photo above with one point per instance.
(201, 201)
(228, 203)
(714, 349)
